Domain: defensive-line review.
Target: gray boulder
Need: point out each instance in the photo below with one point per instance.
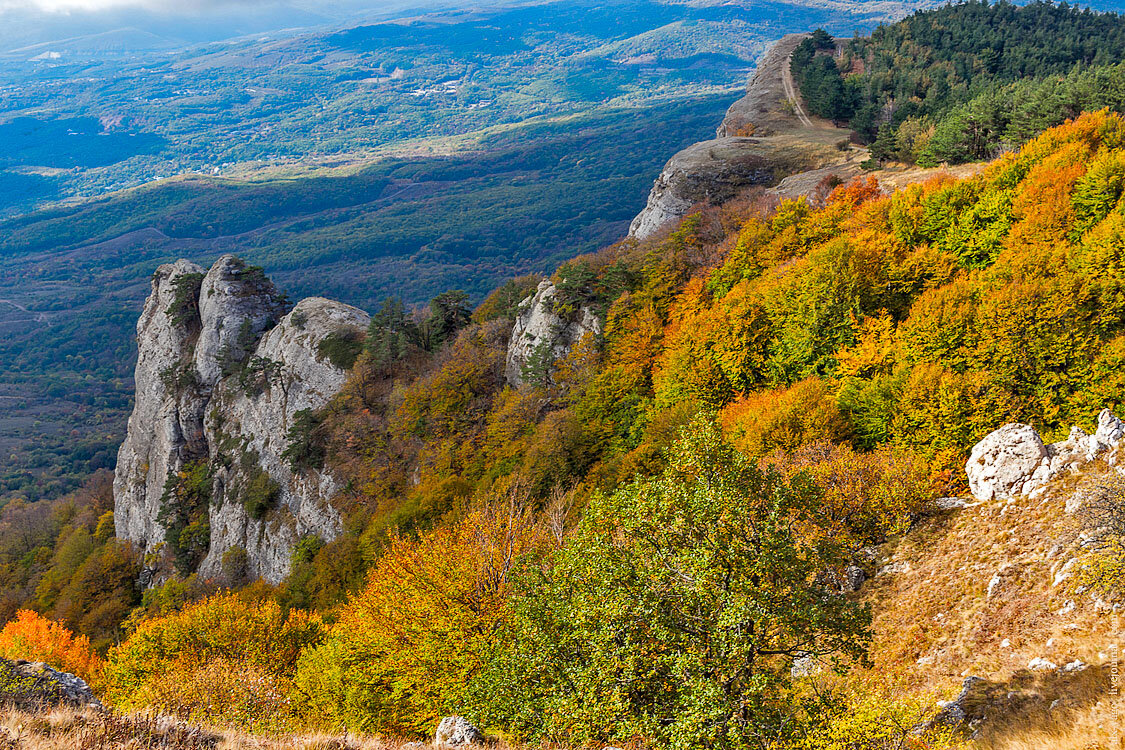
(854, 578)
(960, 710)
(456, 731)
(37, 682)
(1014, 461)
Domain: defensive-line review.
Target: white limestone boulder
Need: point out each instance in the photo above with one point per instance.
(1000, 464)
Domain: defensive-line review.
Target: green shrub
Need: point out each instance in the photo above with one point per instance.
(259, 494)
(183, 514)
(184, 307)
(305, 450)
(341, 348)
(675, 612)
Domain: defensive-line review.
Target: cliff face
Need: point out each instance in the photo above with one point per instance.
(761, 108)
(713, 172)
(221, 374)
(257, 421)
(541, 333)
(235, 306)
(764, 137)
(166, 427)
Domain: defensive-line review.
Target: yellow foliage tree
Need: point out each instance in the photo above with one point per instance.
(403, 649)
(226, 660)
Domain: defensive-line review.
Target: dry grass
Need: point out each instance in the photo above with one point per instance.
(988, 589)
(86, 729)
(1099, 727)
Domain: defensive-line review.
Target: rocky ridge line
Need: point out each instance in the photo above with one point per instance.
(760, 142)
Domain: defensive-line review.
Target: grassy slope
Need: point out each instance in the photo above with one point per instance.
(937, 621)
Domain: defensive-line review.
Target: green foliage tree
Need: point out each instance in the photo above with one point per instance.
(184, 307)
(675, 612)
(449, 313)
(389, 335)
(259, 493)
(958, 67)
(183, 514)
(305, 450)
(536, 371)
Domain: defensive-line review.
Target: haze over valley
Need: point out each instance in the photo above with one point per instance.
(354, 159)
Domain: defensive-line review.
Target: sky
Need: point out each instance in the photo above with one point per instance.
(179, 6)
(67, 6)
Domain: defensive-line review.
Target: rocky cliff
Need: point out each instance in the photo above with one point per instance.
(221, 374)
(541, 336)
(713, 172)
(166, 428)
(764, 137)
(762, 108)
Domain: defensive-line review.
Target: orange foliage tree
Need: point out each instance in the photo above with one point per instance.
(35, 638)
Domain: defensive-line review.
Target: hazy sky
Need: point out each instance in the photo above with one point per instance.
(87, 5)
(185, 6)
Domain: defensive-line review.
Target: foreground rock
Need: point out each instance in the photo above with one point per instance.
(541, 333)
(1013, 460)
(221, 374)
(24, 683)
(1001, 463)
(965, 709)
(456, 731)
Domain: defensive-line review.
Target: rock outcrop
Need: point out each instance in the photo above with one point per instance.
(297, 377)
(1001, 463)
(220, 377)
(541, 336)
(456, 731)
(166, 428)
(965, 709)
(236, 304)
(37, 684)
(711, 172)
(760, 141)
(1013, 460)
